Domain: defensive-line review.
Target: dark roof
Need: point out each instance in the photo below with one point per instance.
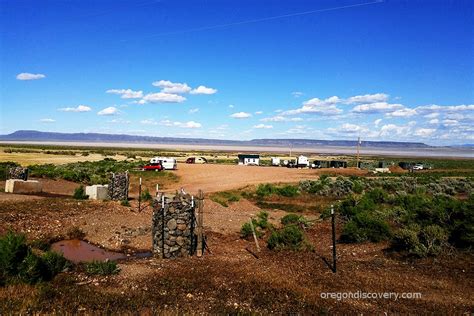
(242, 156)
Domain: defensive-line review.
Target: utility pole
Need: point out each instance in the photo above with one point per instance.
(358, 151)
(334, 256)
(140, 196)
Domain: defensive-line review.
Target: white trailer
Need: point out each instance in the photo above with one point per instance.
(302, 162)
(167, 162)
(275, 161)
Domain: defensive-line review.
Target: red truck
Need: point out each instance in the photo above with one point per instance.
(153, 167)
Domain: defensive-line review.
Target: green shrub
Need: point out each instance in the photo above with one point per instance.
(358, 187)
(365, 227)
(125, 203)
(288, 191)
(33, 270)
(289, 237)
(430, 240)
(434, 238)
(55, 262)
(264, 190)
(146, 196)
(4, 166)
(102, 268)
(225, 198)
(294, 219)
(13, 250)
(80, 194)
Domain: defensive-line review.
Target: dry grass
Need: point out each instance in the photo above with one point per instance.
(26, 159)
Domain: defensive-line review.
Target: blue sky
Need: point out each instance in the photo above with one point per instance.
(384, 70)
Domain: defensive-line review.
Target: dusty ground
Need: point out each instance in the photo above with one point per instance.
(228, 279)
(214, 178)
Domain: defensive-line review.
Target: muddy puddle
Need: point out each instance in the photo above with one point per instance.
(77, 251)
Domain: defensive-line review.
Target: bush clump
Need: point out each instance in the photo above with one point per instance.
(365, 227)
(80, 193)
(146, 196)
(260, 224)
(18, 262)
(102, 268)
(290, 237)
(294, 219)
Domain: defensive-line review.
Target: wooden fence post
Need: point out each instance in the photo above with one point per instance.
(200, 223)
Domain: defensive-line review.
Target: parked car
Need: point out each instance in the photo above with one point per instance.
(153, 167)
(196, 160)
(418, 166)
(166, 162)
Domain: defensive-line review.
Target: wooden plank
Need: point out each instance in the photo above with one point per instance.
(199, 230)
(254, 235)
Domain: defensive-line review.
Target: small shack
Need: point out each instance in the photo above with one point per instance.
(249, 159)
(321, 163)
(338, 164)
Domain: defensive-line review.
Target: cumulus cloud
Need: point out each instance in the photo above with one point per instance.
(450, 122)
(368, 98)
(111, 110)
(241, 115)
(445, 108)
(377, 122)
(281, 118)
(297, 94)
(47, 120)
(29, 76)
(172, 87)
(162, 97)
(263, 126)
(126, 93)
(79, 108)
(148, 122)
(324, 107)
(258, 112)
(192, 111)
(424, 132)
(190, 124)
(377, 107)
(405, 112)
(393, 129)
(434, 121)
(203, 90)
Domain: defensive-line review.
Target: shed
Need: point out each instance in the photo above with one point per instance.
(338, 164)
(249, 159)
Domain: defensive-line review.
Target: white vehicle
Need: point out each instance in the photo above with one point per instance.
(418, 166)
(275, 161)
(166, 162)
(302, 162)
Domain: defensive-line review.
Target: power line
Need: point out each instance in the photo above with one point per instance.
(206, 28)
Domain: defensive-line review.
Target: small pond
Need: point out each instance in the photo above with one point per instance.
(76, 250)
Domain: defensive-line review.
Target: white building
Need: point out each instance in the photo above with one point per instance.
(249, 159)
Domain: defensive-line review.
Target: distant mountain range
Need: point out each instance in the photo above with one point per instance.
(29, 135)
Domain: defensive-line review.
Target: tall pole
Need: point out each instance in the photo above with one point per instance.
(140, 196)
(199, 249)
(358, 151)
(334, 258)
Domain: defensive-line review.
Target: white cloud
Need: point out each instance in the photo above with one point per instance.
(445, 108)
(192, 111)
(119, 121)
(377, 107)
(324, 107)
(203, 90)
(231, 106)
(190, 124)
(432, 115)
(162, 97)
(424, 132)
(111, 110)
(377, 122)
(258, 112)
(172, 87)
(79, 108)
(47, 120)
(406, 112)
(450, 123)
(148, 122)
(434, 121)
(126, 93)
(297, 94)
(368, 98)
(392, 129)
(29, 76)
(263, 126)
(281, 118)
(241, 115)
